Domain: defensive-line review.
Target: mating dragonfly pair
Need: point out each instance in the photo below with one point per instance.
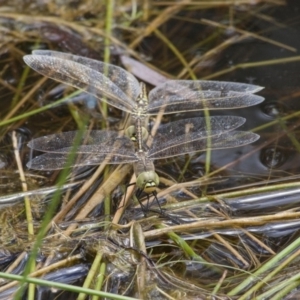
(121, 89)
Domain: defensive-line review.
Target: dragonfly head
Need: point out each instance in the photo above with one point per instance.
(147, 181)
(131, 133)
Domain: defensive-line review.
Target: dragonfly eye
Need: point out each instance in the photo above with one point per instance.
(131, 133)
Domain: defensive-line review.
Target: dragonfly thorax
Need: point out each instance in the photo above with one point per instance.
(142, 99)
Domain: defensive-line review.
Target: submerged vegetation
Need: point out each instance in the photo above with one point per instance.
(223, 224)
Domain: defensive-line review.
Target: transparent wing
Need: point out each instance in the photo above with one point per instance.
(56, 161)
(107, 82)
(198, 142)
(217, 124)
(97, 147)
(56, 142)
(176, 96)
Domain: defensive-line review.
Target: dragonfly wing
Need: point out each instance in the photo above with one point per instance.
(197, 142)
(117, 87)
(176, 96)
(56, 161)
(94, 147)
(215, 123)
(54, 142)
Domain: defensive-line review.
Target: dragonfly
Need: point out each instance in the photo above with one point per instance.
(119, 88)
(172, 139)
